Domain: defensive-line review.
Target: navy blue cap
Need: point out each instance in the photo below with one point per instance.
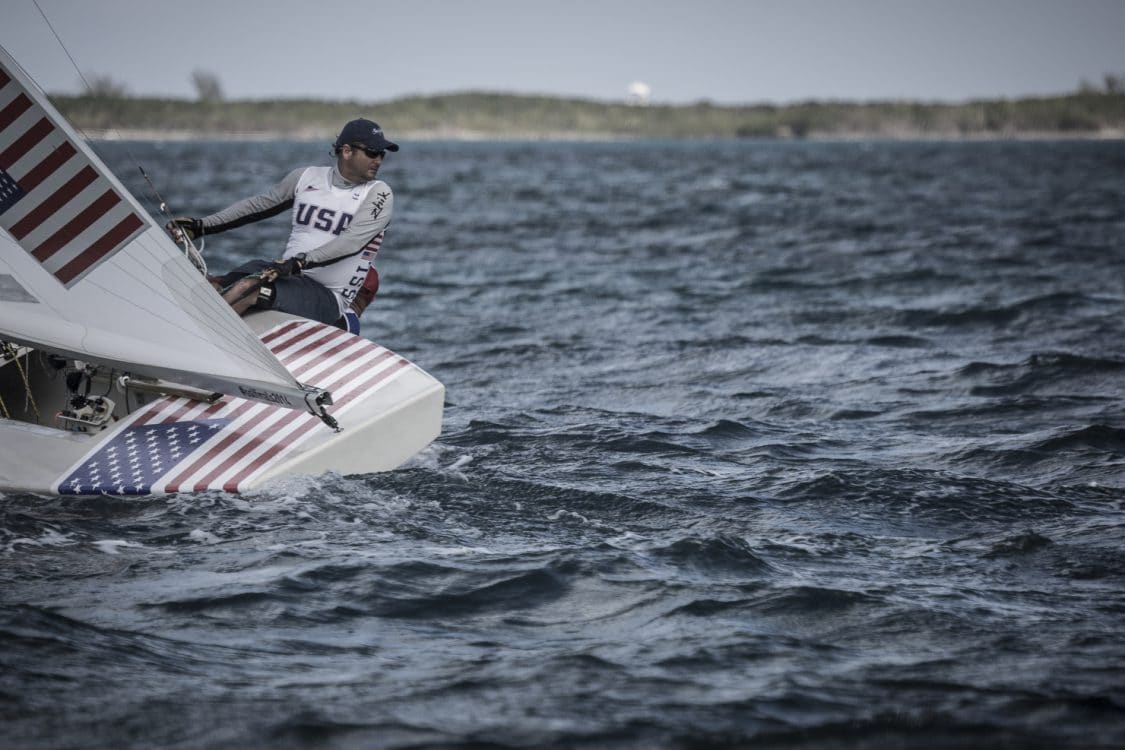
(363, 132)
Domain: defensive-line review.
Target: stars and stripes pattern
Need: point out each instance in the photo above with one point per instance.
(53, 200)
(128, 465)
(179, 445)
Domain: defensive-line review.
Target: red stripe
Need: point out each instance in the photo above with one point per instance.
(346, 340)
(231, 485)
(158, 406)
(103, 247)
(155, 408)
(242, 408)
(279, 332)
(50, 206)
(307, 333)
(174, 486)
(277, 348)
(11, 113)
(223, 402)
(5, 79)
(344, 344)
(314, 343)
(80, 223)
(318, 335)
(26, 142)
(150, 412)
(256, 441)
(304, 330)
(234, 437)
(47, 167)
(210, 411)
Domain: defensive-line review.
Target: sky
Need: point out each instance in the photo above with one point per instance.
(723, 51)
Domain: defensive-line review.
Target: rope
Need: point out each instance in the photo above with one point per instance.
(10, 352)
(194, 254)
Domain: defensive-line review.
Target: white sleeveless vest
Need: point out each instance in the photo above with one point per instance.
(320, 213)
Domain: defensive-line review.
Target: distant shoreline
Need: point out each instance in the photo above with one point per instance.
(485, 116)
(119, 134)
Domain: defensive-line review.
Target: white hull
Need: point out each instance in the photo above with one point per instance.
(388, 409)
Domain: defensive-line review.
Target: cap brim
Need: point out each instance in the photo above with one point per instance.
(380, 145)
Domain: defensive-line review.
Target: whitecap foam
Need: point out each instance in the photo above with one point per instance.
(114, 546)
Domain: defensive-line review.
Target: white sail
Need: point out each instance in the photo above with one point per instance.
(85, 272)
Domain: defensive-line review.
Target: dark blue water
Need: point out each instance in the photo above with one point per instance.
(747, 444)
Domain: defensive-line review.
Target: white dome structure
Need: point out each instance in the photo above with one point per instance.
(639, 93)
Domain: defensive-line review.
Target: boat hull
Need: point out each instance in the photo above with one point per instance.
(387, 409)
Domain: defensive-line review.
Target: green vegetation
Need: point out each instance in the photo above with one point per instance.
(489, 115)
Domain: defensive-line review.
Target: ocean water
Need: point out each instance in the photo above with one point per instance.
(747, 444)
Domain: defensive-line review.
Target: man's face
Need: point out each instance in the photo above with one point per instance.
(359, 163)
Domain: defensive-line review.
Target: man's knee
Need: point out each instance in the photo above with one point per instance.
(267, 297)
(250, 293)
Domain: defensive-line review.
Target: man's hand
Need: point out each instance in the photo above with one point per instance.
(283, 269)
(184, 226)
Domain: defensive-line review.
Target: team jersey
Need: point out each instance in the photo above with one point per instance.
(323, 213)
(338, 225)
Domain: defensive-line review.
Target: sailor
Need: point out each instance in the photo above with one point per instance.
(339, 215)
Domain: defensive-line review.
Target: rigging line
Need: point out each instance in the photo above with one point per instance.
(261, 356)
(63, 46)
(78, 70)
(4, 349)
(193, 254)
(29, 397)
(226, 339)
(251, 347)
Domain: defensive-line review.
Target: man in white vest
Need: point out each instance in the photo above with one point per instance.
(339, 216)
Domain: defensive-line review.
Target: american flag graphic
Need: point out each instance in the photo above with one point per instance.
(128, 465)
(53, 200)
(179, 445)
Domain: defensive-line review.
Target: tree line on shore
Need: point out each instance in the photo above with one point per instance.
(1089, 112)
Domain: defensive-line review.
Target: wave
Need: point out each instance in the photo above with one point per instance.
(813, 600)
(456, 594)
(847, 415)
(972, 316)
(891, 497)
(1099, 437)
(979, 315)
(1059, 361)
(901, 342)
(1019, 544)
(1040, 370)
(723, 554)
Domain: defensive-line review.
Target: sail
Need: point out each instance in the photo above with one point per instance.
(85, 272)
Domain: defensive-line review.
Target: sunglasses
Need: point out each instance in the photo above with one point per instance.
(371, 153)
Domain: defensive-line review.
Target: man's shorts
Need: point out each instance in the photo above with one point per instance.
(297, 295)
